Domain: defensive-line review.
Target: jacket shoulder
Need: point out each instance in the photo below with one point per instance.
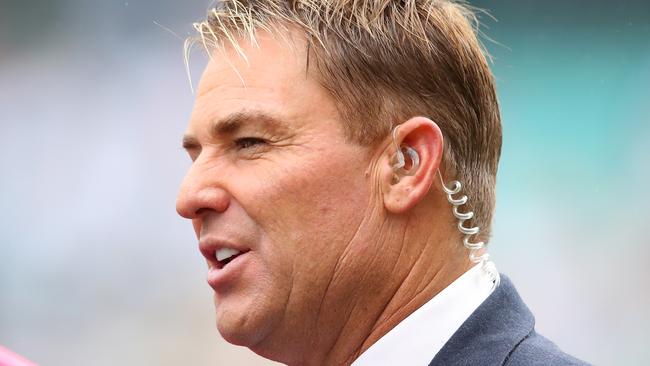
(501, 332)
(536, 350)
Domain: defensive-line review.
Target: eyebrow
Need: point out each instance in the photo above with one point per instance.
(235, 121)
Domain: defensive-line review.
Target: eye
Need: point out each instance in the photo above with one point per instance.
(249, 142)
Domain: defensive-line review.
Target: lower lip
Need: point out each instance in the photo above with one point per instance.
(220, 278)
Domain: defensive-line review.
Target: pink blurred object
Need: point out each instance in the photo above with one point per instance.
(8, 358)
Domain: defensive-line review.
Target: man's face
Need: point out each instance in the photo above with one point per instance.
(274, 178)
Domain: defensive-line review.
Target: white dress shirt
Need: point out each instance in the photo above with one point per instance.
(419, 337)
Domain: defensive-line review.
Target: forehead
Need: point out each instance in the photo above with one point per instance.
(269, 76)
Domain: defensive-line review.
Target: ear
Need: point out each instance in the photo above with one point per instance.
(402, 192)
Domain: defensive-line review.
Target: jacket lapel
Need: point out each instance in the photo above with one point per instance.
(493, 330)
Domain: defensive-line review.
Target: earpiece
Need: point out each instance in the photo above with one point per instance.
(400, 165)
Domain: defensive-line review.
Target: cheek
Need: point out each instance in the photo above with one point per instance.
(310, 214)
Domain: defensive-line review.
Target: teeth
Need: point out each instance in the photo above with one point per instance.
(225, 253)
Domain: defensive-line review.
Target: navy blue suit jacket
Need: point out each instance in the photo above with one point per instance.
(501, 332)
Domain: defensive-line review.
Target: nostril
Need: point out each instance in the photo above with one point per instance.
(201, 211)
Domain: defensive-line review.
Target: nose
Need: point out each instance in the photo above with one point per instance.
(200, 192)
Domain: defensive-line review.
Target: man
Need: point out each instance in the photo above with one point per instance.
(338, 149)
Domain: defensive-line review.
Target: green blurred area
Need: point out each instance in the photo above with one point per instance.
(573, 80)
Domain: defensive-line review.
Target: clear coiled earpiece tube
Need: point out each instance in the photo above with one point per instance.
(468, 232)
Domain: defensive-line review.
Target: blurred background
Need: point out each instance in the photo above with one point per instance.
(96, 268)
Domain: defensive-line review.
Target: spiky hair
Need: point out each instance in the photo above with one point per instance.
(384, 61)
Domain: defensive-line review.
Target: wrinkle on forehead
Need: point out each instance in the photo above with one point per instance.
(291, 48)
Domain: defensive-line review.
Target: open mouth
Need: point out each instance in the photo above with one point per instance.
(226, 255)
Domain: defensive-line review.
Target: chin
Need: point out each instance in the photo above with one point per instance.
(235, 336)
(251, 327)
(240, 326)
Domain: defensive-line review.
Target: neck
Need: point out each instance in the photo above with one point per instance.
(410, 297)
(423, 265)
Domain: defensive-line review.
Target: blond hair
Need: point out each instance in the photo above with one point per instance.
(385, 61)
